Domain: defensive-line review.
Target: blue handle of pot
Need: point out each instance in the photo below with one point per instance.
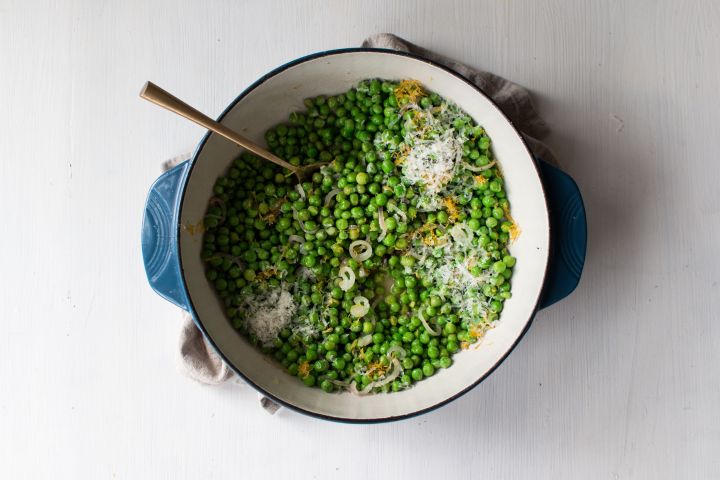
(568, 227)
(160, 236)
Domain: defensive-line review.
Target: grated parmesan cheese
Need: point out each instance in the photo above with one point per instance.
(450, 266)
(432, 150)
(268, 313)
(432, 162)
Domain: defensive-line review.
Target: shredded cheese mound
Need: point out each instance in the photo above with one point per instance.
(268, 313)
(449, 259)
(432, 162)
(431, 152)
(305, 329)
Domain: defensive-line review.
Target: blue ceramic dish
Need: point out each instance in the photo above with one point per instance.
(546, 203)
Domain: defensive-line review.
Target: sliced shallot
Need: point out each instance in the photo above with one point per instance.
(427, 326)
(301, 191)
(475, 169)
(396, 348)
(360, 308)
(364, 341)
(396, 371)
(330, 195)
(296, 239)
(392, 207)
(360, 250)
(302, 224)
(383, 227)
(347, 278)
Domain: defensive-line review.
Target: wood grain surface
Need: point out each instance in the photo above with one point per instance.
(619, 381)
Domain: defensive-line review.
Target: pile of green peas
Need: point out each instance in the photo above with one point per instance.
(253, 223)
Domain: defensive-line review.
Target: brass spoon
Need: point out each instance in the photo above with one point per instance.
(158, 96)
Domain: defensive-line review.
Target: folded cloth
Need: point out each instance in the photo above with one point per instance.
(198, 359)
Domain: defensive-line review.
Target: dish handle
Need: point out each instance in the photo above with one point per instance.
(160, 236)
(568, 233)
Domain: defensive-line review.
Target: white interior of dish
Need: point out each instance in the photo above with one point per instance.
(270, 103)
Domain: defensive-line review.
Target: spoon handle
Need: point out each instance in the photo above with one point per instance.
(158, 96)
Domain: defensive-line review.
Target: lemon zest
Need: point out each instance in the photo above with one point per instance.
(377, 367)
(452, 209)
(410, 90)
(515, 229)
(401, 155)
(194, 228)
(304, 369)
(477, 330)
(267, 273)
(271, 216)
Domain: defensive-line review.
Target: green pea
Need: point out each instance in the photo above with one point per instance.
(389, 240)
(407, 261)
(309, 261)
(496, 306)
(407, 363)
(499, 267)
(321, 365)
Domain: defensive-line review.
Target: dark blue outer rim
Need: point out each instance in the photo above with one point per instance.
(198, 321)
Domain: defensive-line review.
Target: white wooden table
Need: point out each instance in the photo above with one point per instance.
(619, 381)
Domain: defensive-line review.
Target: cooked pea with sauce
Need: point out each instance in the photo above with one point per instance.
(392, 258)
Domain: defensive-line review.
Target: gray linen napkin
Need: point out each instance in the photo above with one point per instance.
(198, 359)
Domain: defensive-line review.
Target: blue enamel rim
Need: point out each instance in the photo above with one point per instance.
(198, 321)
